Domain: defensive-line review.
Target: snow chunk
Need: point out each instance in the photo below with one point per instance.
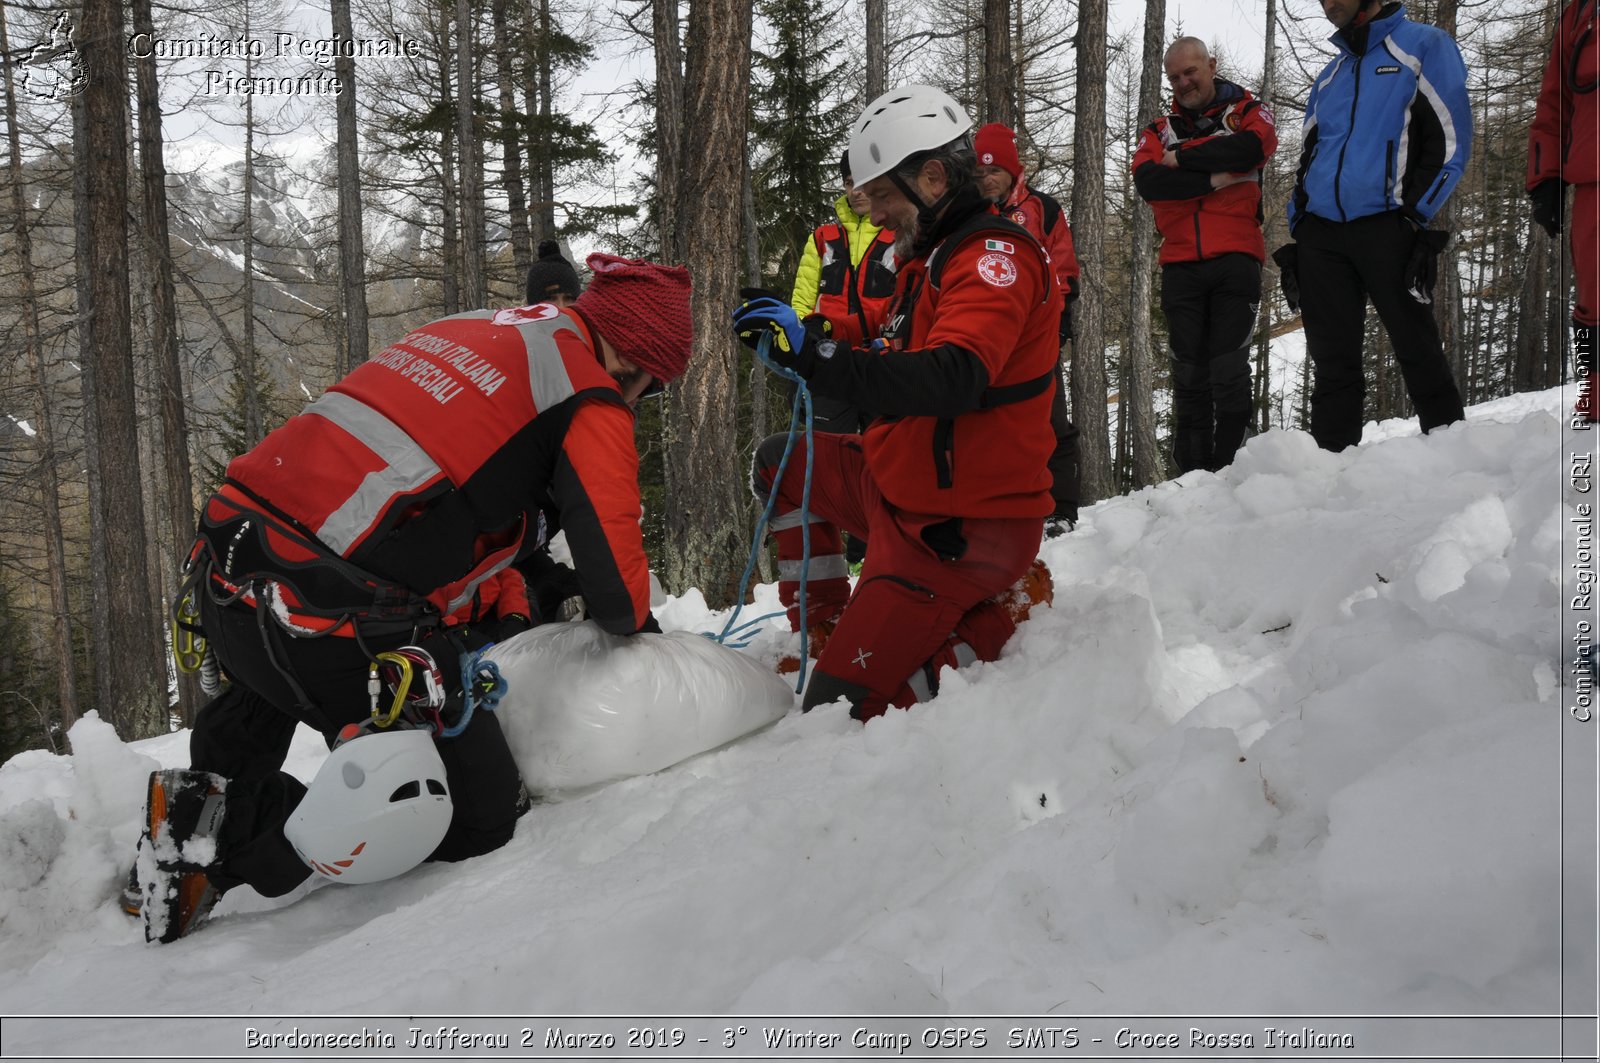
(1436, 860)
(1189, 832)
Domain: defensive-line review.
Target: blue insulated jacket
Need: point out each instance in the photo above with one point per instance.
(1389, 129)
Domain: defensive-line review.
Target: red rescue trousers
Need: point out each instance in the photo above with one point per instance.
(924, 587)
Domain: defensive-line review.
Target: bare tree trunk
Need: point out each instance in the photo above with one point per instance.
(450, 240)
(877, 51)
(537, 89)
(547, 175)
(706, 524)
(352, 247)
(127, 683)
(1269, 274)
(1140, 385)
(473, 292)
(49, 483)
(1089, 227)
(1447, 293)
(99, 641)
(759, 428)
(511, 142)
(1019, 75)
(254, 421)
(669, 124)
(178, 480)
(998, 76)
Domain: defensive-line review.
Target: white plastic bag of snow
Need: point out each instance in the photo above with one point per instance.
(583, 707)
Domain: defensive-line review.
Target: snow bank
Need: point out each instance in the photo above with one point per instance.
(1288, 742)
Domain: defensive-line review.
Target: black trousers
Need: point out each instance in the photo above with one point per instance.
(1066, 486)
(243, 734)
(1342, 265)
(1210, 308)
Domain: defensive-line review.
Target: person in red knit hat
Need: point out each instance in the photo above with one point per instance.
(1001, 180)
(353, 533)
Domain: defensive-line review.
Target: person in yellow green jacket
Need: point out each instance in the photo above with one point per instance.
(847, 275)
(847, 271)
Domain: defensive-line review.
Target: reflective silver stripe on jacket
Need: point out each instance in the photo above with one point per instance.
(470, 588)
(407, 469)
(548, 380)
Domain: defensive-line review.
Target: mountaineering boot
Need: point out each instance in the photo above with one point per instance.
(132, 898)
(816, 639)
(183, 817)
(981, 633)
(1034, 588)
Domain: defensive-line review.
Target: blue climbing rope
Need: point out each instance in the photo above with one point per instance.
(801, 408)
(475, 672)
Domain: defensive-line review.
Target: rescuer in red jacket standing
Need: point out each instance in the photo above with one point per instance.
(1200, 170)
(1564, 149)
(1002, 182)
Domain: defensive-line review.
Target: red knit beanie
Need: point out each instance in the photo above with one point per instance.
(642, 309)
(996, 145)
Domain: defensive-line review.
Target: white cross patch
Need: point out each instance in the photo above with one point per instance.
(862, 653)
(998, 270)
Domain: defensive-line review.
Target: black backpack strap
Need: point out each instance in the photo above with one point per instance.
(977, 225)
(1007, 394)
(944, 429)
(1052, 209)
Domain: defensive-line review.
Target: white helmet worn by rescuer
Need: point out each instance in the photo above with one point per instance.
(377, 808)
(899, 124)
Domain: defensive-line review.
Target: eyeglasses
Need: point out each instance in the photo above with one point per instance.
(636, 384)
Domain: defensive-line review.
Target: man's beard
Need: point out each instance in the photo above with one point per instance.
(905, 240)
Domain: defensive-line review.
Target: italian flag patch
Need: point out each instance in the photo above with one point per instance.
(999, 245)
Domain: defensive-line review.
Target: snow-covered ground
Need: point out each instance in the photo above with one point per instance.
(1296, 739)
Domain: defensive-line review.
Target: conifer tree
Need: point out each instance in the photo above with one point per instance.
(802, 106)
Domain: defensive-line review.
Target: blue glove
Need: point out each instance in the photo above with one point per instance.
(761, 313)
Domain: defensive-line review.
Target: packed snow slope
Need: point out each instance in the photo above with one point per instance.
(1288, 742)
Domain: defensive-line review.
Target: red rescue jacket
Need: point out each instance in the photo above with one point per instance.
(1233, 134)
(432, 465)
(987, 288)
(1564, 140)
(1042, 216)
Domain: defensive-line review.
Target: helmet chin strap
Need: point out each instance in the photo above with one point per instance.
(927, 213)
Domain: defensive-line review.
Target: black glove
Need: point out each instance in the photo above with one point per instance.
(1288, 259)
(1066, 323)
(1422, 269)
(1547, 197)
(504, 627)
(550, 584)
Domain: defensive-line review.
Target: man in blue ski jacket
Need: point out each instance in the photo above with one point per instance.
(1386, 137)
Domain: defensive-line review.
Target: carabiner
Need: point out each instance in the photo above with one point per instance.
(188, 647)
(400, 691)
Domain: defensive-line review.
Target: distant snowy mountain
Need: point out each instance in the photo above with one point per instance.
(1295, 741)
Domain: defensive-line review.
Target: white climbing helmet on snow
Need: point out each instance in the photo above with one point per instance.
(900, 123)
(378, 806)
